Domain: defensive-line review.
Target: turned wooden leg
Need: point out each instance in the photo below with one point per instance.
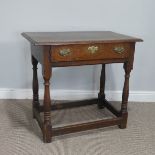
(101, 95)
(35, 103)
(47, 106)
(125, 94)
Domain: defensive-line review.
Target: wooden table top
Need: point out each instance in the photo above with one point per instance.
(81, 37)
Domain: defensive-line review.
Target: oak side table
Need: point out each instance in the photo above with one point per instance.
(61, 49)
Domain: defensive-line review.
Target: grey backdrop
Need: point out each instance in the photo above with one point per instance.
(130, 17)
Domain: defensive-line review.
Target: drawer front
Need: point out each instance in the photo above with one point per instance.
(62, 53)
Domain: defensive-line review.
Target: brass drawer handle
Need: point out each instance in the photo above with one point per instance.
(65, 52)
(93, 49)
(119, 49)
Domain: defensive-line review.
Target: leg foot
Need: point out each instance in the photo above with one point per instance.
(100, 106)
(123, 125)
(47, 133)
(100, 103)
